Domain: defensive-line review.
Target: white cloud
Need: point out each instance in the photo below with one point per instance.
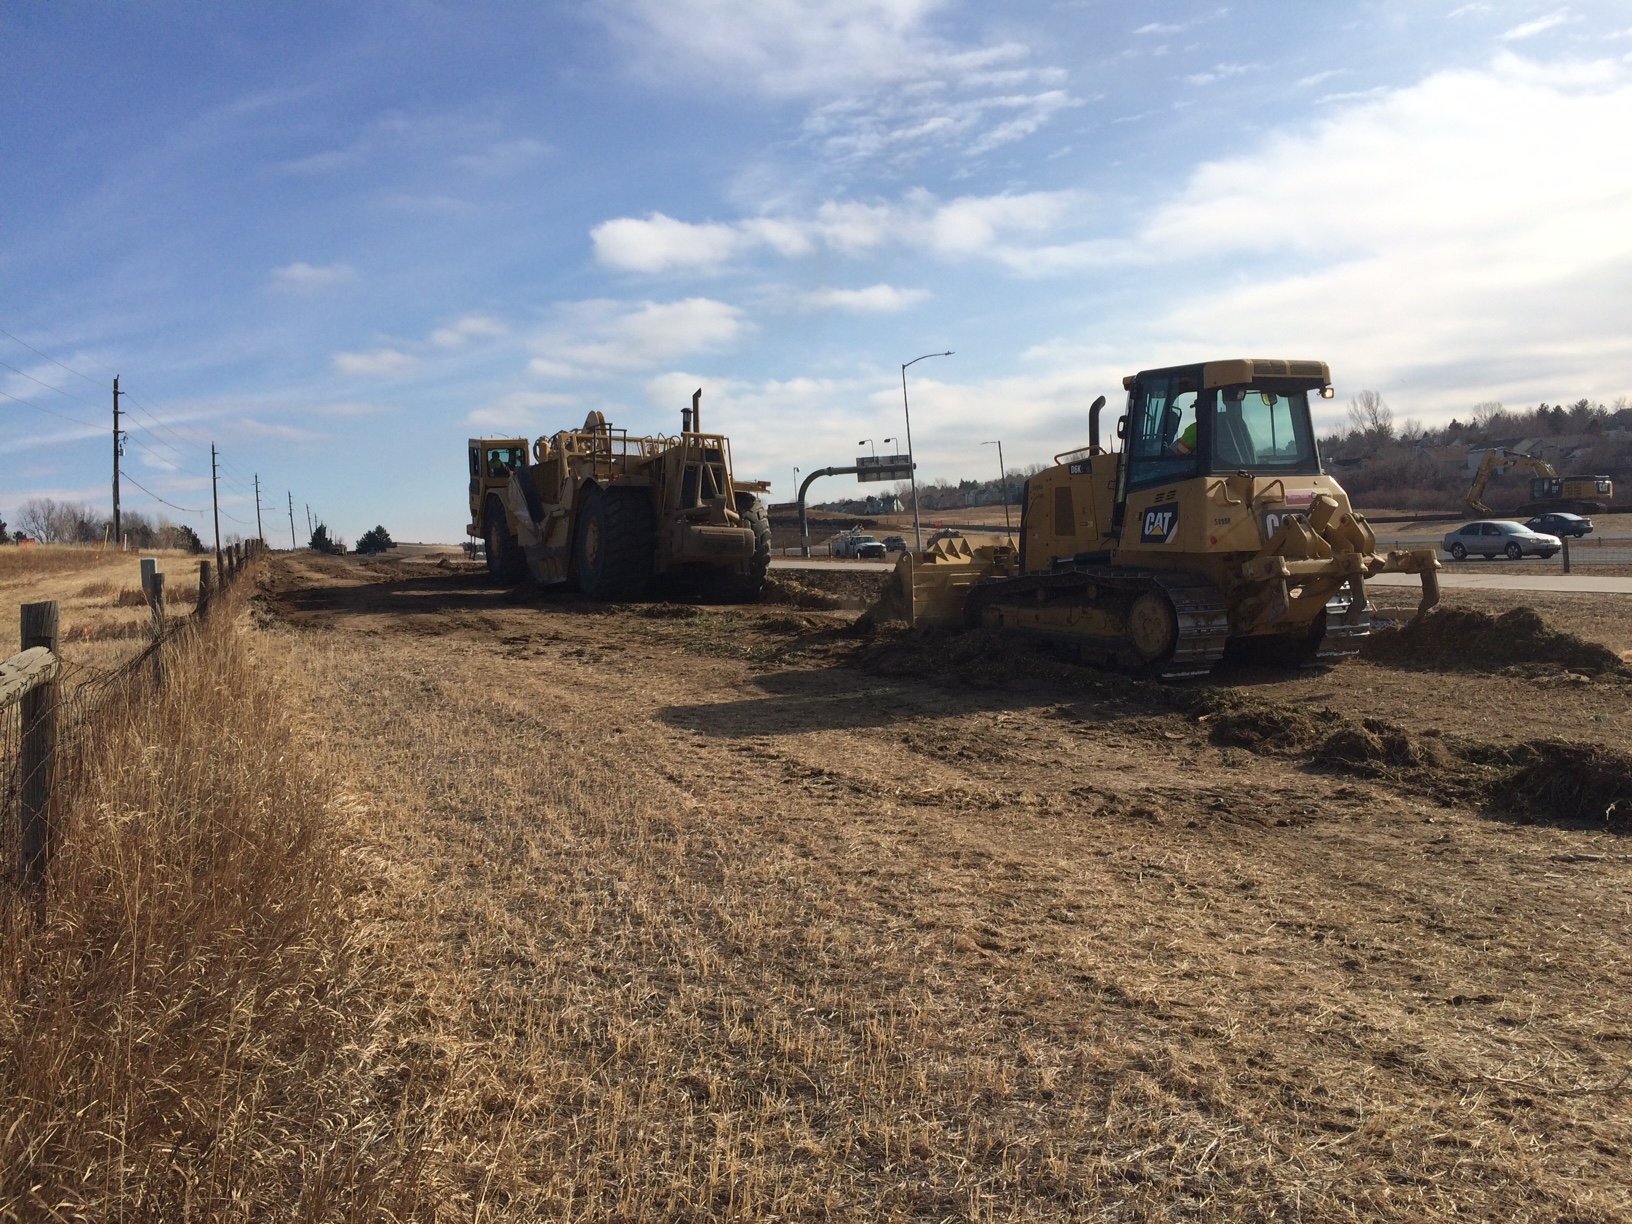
(875, 299)
(1540, 25)
(304, 276)
(602, 338)
(381, 363)
(501, 158)
(1035, 414)
(963, 227)
(1465, 236)
(659, 243)
(347, 408)
(785, 47)
(1221, 72)
(1163, 29)
(282, 432)
(1317, 78)
(470, 327)
(523, 413)
(883, 85)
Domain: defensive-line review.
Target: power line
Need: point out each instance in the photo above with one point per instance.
(150, 431)
(169, 428)
(51, 359)
(184, 509)
(49, 411)
(41, 382)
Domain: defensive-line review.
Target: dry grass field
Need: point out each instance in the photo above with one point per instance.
(194, 1029)
(731, 913)
(410, 897)
(98, 592)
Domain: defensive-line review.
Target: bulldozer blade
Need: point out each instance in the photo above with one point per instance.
(932, 587)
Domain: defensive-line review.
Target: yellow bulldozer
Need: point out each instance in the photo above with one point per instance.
(1548, 490)
(610, 514)
(1213, 525)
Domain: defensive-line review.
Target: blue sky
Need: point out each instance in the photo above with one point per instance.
(338, 240)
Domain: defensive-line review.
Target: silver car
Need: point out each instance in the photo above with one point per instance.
(1498, 537)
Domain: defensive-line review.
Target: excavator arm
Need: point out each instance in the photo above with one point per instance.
(1496, 461)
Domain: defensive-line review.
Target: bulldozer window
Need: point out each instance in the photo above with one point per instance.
(1262, 428)
(1163, 442)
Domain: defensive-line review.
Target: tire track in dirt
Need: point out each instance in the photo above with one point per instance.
(1108, 912)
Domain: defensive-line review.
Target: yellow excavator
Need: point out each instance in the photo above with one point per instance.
(1548, 490)
(1212, 526)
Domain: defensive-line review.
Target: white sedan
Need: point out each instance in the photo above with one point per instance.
(1491, 537)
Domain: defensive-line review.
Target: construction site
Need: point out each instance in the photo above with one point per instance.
(808, 916)
(1189, 852)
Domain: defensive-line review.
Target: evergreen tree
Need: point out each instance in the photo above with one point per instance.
(376, 540)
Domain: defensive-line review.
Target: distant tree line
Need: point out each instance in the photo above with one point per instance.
(56, 522)
(1381, 462)
(1378, 460)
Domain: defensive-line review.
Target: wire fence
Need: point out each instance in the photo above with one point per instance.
(51, 710)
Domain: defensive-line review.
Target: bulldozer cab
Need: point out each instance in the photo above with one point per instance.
(1218, 418)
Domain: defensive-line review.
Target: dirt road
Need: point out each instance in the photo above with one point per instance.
(728, 913)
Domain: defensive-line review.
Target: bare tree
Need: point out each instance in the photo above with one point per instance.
(1370, 417)
(37, 517)
(1489, 415)
(53, 522)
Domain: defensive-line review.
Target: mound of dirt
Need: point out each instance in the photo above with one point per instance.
(1552, 783)
(1382, 745)
(1459, 639)
(790, 591)
(1578, 784)
(1269, 731)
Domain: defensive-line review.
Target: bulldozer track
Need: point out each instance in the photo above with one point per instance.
(1201, 620)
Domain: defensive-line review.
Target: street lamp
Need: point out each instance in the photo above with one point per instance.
(1002, 483)
(868, 443)
(912, 467)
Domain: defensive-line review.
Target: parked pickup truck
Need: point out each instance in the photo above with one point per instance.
(858, 544)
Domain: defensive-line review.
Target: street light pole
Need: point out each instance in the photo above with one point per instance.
(868, 443)
(1002, 483)
(912, 466)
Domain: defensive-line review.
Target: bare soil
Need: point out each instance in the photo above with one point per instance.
(744, 913)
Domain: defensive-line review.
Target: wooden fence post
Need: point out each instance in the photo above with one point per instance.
(155, 596)
(150, 566)
(203, 587)
(1566, 543)
(39, 748)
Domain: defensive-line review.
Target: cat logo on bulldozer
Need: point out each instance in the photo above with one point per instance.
(1160, 526)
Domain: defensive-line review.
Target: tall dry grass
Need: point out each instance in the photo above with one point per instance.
(189, 1034)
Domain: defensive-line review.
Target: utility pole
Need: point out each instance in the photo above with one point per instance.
(292, 544)
(259, 534)
(118, 449)
(308, 518)
(215, 504)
